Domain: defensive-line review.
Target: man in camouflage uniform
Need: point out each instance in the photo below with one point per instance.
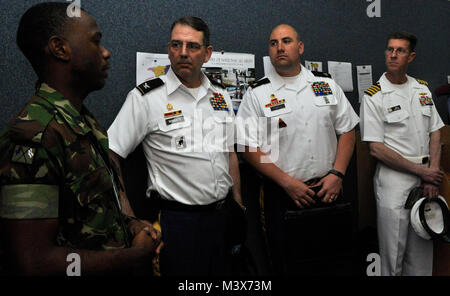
(59, 191)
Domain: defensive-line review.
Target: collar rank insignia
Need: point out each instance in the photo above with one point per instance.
(173, 117)
(23, 154)
(218, 102)
(275, 104)
(395, 108)
(321, 88)
(425, 101)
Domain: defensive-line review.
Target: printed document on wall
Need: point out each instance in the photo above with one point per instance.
(341, 73)
(364, 75)
(150, 65)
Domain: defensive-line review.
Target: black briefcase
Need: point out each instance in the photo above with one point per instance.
(320, 240)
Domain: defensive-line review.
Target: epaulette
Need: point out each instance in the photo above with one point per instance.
(373, 89)
(147, 86)
(259, 82)
(422, 82)
(215, 82)
(321, 74)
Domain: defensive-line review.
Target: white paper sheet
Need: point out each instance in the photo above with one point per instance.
(150, 65)
(267, 65)
(341, 72)
(364, 75)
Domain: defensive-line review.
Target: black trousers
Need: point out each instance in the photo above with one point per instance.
(194, 242)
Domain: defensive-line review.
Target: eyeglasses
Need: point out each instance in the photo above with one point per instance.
(191, 46)
(400, 51)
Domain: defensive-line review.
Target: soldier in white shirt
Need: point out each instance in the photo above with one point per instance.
(298, 131)
(401, 125)
(185, 123)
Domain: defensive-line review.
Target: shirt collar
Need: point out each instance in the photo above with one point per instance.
(65, 108)
(386, 85)
(277, 81)
(173, 83)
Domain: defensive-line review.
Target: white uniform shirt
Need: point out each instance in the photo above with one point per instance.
(185, 140)
(293, 125)
(402, 123)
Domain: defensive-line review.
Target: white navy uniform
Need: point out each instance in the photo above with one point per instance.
(401, 119)
(186, 137)
(303, 118)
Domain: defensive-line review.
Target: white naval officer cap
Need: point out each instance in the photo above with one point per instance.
(430, 218)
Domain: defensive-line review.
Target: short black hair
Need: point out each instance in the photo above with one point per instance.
(196, 23)
(405, 36)
(36, 26)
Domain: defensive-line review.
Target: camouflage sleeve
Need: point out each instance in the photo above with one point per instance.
(29, 187)
(29, 201)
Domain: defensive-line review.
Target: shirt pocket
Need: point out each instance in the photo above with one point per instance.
(278, 110)
(174, 134)
(226, 131)
(397, 123)
(171, 124)
(426, 117)
(322, 101)
(426, 111)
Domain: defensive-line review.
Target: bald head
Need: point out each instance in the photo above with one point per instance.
(285, 50)
(286, 28)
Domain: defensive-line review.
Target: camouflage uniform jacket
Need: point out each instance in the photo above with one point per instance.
(54, 164)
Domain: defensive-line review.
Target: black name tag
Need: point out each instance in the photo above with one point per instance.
(173, 120)
(395, 108)
(277, 107)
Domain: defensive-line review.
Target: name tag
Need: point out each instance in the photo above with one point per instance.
(395, 108)
(173, 117)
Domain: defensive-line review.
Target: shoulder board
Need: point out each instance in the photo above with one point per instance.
(259, 82)
(373, 89)
(147, 86)
(214, 82)
(321, 74)
(422, 82)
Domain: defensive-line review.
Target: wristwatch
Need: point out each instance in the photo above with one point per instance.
(337, 173)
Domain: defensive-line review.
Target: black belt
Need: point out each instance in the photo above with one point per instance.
(178, 206)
